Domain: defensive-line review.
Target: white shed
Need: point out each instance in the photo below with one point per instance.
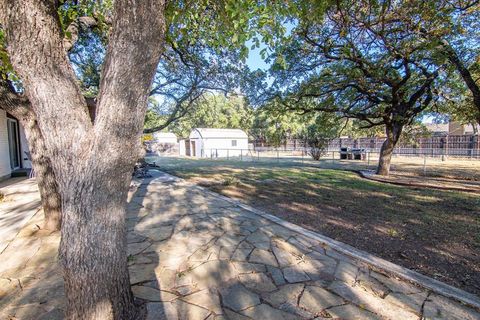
(209, 142)
(164, 137)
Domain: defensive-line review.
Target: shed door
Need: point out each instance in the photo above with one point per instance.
(192, 148)
(187, 148)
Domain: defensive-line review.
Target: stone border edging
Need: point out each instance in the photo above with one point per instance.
(366, 174)
(402, 272)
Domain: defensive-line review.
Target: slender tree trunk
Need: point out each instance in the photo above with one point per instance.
(92, 162)
(465, 73)
(393, 132)
(47, 184)
(20, 108)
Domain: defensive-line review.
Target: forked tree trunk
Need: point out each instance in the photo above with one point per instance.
(92, 162)
(20, 108)
(393, 132)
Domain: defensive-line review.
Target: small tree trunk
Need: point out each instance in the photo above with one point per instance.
(20, 108)
(465, 73)
(47, 184)
(393, 132)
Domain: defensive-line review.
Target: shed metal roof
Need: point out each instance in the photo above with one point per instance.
(206, 133)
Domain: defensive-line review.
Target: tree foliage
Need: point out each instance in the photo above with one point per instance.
(215, 111)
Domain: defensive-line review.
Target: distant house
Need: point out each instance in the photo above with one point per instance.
(451, 128)
(164, 137)
(455, 128)
(13, 147)
(210, 142)
(163, 143)
(437, 129)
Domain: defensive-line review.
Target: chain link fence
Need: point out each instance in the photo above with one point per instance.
(428, 162)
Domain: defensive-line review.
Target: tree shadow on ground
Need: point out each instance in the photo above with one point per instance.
(30, 279)
(211, 258)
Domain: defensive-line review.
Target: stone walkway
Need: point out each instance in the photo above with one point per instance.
(195, 255)
(21, 202)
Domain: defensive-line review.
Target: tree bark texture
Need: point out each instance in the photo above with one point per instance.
(393, 132)
(92, 161)
(20, 108)
(465, 73)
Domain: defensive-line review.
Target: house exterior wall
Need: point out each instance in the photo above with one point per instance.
(5, 169)
(455, 128)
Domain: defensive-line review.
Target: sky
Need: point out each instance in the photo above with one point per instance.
(254, 60)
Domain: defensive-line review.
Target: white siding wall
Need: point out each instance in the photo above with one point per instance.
(4, 153)
(198, 147)
(214, 145)
(181, 147)
(223, 147)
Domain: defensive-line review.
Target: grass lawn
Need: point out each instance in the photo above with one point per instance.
(434, 232)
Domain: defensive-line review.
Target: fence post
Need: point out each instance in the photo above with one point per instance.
(302, 156)
(258, 155)
(241, 154)
(228, 154)
(424, 165)
(278, 156)
(368, 159)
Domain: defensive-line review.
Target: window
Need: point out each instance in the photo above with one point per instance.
(234, 143)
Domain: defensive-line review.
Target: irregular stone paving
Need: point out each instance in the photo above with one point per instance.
(193, 255)
(21, 202)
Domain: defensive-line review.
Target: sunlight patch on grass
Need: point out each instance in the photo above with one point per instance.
(312, 186)
(425, 198)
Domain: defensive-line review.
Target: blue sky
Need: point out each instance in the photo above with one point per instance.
(254, 60)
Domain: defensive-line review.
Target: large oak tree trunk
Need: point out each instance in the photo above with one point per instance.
(92, 162)
(20, 108)
(393, 132)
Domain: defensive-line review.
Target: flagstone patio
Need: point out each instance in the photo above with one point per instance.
(194, 255)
